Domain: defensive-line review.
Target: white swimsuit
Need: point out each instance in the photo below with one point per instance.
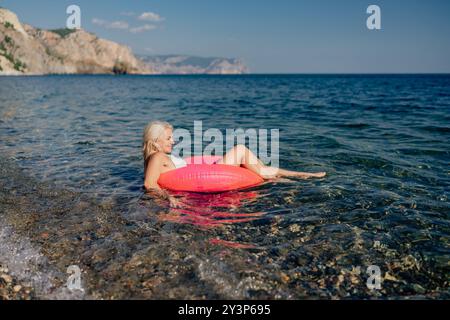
(178, 162)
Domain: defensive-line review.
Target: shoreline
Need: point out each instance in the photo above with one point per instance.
(21, 257)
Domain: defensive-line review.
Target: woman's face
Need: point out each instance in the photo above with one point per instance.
(165, 141)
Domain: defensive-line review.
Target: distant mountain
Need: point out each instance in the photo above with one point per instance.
(28, 50)
(183, 64)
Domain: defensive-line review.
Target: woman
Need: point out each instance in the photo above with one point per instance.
(157, 146)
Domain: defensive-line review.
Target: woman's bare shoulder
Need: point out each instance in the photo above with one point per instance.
(155, 163)
(158, 157)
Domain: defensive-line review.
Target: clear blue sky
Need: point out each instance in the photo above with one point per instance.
(273, 36)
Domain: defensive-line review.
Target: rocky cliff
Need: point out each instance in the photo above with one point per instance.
(27, 50)
(32, 51)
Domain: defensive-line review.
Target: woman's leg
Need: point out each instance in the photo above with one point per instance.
(241, 156)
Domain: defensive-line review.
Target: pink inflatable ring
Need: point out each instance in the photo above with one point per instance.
(201, 175)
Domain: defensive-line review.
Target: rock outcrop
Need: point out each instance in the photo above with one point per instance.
(27, 50)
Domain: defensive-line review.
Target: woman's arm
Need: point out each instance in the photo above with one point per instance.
(153, 171)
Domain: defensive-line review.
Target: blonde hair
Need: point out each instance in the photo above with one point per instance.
(152, 132)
